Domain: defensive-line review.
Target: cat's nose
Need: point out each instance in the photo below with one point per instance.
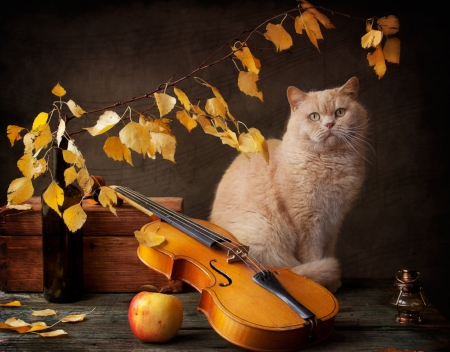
(329, 125)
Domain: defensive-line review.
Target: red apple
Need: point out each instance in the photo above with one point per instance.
(155, 317)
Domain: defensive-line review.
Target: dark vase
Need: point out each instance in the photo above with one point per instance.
(62, 249)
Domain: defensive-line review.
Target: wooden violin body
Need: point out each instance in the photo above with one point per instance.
(240, 310)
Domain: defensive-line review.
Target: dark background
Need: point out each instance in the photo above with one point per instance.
(109, 51)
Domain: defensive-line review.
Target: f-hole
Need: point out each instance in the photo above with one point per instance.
(221, 273)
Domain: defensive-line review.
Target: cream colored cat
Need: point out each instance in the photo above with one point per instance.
(290, 211)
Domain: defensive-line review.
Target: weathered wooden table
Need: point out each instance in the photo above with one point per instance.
(365, 322)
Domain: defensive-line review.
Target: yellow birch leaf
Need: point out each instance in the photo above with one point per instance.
(54, 333)
(60, 131)
(371, 39)
(28, 142)
(254, 142)
(215, 107)
(15, 324)
(73, 318)
(218, 122)
(19, 206)
(70, 175)
(182, 97)
(116, 150)
(186, 120)
(59, 91)
(312, 24)
(74, 217)
(39, 120)
(391, 50)
(107, 197)
(43, 313)
(76, 110)
(376, 59)
(248, 60)
(136, 137)
(54, 197)
(148, 238)
(11, 304)
(299, 25)
(26, 165)
(164, 144)
(40, 166)
(229, 137)
(18, 329)
(389, 25)
(278, 35)
(71, 158)
(44, 137)
(165, 103)
(104, 123)
(247, 84)
(318, 15)
(84, 180)
(19, 190)
(198, 111)
(39, 325)
(13, 132)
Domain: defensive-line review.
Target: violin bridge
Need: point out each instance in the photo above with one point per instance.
(237, 253)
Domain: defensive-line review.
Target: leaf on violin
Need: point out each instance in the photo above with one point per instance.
(391, 50)
(19, 206)
(74, 217)
(54, 333)
(11, 304)
(84, 180)
(43, 313)
(163, 143)
(59, 91)
(247, 84)
(136, 137)
(186, 120)
(376, 59)
(317, 14)
(389, 25)
(107, 198)
(247, 59)
(61, 130)
(104, 123)
(278, 35)
(13, 132)
(44, 137)
(215, 107)
(148, 238)
(254, 142)
(54, 197)
(116, 150)
(76, 110)
(26, 165)
(182, 97)
(19, 190)
(371, 39)
(165, 103)
(70, 175)
(40, 119)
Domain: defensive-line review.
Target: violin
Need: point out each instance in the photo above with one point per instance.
(252, 306)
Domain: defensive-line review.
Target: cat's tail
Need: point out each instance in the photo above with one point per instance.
(326, 272)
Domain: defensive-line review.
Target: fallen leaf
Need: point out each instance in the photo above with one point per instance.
(11, 304)
(59, 91)
(73, 318)
(54, 333)
(104, 123)
(19, 206)
(38, 326)
(43, 313)
(148, 238)
(247, 84)
(278, 35)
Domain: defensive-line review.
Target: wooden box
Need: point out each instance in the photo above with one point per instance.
(110, 260)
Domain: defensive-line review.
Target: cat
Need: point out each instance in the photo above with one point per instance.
(290, 210)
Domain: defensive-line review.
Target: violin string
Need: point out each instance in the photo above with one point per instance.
(210, 234)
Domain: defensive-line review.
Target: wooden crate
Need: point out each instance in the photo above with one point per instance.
(110, 260)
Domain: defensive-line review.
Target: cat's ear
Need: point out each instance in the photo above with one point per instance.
(295, 97)
(351, 88)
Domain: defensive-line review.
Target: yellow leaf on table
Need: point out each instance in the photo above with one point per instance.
(84, 180)
(11, 304)
(116, 150)
(247, 84)
(15, 324)
(278, 35)
(73, 318)
(148, 238)
(389, 25)
(43, 313)
(182, 97)
(26, 165)
(186, 120)
(19, 206)
(376, 59)
(59, 91)
(76, 110)
(165, 144)
(136, 137)
(37, 326)
(19, 190)
(391, 50)
(40, 119)
(254, 142)
(54, 197)
(371, 39)
(104, 123)
(317, 14)
(215, 107)
(54, 333)
(70, 175)
(165, 103)
(74, 217)
(248, 60)
(44, 137)
(13, 132)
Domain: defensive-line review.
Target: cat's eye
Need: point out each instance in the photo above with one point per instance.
(314, 116)
(339, 112)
